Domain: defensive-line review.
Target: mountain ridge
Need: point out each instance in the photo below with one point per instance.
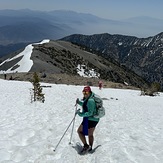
(80, 22)
(66, 58)
(141, 55)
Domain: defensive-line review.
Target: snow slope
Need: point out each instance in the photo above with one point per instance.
(131, 131)
(25, 64)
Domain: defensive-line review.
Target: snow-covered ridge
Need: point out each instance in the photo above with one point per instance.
(25, 64)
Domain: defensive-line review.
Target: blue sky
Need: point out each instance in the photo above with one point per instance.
(111, 9)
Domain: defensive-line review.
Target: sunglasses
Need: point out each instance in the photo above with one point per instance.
(85, 92)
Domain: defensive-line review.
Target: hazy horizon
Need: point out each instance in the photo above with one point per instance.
(109, 9)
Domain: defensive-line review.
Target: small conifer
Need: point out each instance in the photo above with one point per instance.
(37, 89)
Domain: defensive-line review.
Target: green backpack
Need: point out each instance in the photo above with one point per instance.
(100, 110)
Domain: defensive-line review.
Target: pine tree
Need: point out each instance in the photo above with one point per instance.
(37, 89)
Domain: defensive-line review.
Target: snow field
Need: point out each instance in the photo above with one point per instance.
(131, 131)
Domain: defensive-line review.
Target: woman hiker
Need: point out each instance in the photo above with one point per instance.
(89, 123)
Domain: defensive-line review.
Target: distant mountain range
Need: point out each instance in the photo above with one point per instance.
(28, 26)
(143, 56)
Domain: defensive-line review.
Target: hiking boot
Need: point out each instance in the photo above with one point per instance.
(85, 149)
(90, 149)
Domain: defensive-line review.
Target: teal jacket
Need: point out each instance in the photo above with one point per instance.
(91, 108)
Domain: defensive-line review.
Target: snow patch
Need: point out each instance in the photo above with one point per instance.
(81, 70)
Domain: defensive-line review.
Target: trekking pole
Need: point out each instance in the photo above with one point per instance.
(64, 133)
(73, 123)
